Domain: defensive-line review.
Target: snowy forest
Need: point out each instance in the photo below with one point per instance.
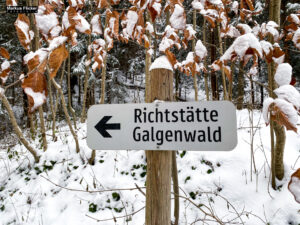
(58, 62)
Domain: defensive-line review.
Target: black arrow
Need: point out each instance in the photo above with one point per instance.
(102, 126)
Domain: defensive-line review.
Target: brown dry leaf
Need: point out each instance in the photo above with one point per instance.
(250, 5)
(227, 72)
(56, 58)
(211, 21)
(10, 2)
(297, 176)
(35, 86)
(171, 57)
(101, 4)
(4, 53)
(4, 74)
(280, 117)
(22, 25)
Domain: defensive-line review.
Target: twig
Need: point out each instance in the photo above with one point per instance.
(114, 218)
(140, 190)
(99, 191)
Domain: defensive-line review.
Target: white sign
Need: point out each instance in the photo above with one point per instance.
(200, 126)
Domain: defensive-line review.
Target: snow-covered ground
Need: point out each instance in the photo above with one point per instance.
(63, 189)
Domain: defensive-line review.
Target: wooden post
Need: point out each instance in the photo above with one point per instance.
(159, 163)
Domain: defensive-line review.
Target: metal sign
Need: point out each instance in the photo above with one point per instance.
(200, 126)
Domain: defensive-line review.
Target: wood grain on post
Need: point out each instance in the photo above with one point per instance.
(159, 163)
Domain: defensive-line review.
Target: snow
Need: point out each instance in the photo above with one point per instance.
(65, 20)
(132, 18)
(56, 42)
(161, 62)
(1, 91)
(295, 19)
(295, 187)
(83, 25)
(246, 29)
(96, 26)
(165, 44)
(25, 29)
(283, 74)
(5, 65)
(241, 45)
(149, 28)
(200, 50)
(289, 93)
(197, 5)
(296, 38)
(42, 53)
(39, 98)
(265, 111)
(288, 109)
(29, 194)
(46, 22)
(266, 46)
(235, 7)
(157, 7)
(177, 19)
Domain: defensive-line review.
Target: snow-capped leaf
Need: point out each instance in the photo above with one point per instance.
(35, 87)
(294, 185)
(25, 35)
(96, 24)
(11, 3)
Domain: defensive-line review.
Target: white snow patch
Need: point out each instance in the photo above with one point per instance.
(241, 45)
(245, 28)
(296, 38)
(46, 22)
(288, 109)
(200, 50)
(295, 187)
(265, 111)
(96, 26)
(132, 18)
(38, 98)
(289, 93)
(161, 62)
(1, 91)
(266, 47)
(5, 65)
(177, 19)
(283, 74)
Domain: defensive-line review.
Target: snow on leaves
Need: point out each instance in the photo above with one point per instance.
(47, 22)
(11, 3)
(283, 110)
(35, 86)
(96, 24)
(5, 66)
(25, 35)
(294, 185)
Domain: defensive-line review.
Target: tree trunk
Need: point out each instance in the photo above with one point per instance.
(278, 151)
(159, 163)
(193, 48)
(70, 102)
(205, 62)
(222, 69)
(241, 86)
(35, 47)
(17, 129)
(86, 78)
(213, 79)
(63, 103)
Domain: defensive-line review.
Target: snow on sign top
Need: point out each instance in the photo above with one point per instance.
(161, 62)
